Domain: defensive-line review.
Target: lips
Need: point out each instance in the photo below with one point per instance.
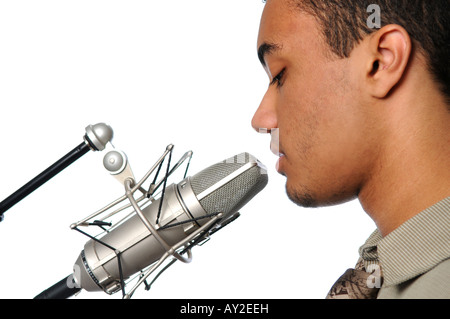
(275, 141)
(275, 147)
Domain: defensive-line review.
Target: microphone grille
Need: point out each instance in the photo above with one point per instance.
(230, 184)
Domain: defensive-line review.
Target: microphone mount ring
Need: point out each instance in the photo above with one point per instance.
(189, 238)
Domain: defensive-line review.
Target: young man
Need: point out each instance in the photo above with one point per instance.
(358, 106)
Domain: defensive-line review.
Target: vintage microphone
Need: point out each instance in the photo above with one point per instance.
(185, 215)
(96, 138)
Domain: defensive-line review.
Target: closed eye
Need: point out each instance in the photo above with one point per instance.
(278, 80)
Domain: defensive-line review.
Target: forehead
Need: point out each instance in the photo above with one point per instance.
(283, 24)
(273, 20)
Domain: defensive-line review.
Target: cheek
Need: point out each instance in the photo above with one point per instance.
(317, 118)
(299, 112)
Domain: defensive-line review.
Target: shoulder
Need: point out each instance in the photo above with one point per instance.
(434, 284)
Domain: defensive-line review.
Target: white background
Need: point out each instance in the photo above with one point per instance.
(159, 72)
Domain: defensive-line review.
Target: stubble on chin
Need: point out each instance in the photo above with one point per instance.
(302, 198)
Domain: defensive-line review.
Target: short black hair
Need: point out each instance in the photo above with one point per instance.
(344, 24)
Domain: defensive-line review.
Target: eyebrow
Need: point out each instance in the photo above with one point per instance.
(266, 49)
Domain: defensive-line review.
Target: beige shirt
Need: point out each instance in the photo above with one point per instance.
(415, 257)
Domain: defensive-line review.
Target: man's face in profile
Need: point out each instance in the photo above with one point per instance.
(315, 101)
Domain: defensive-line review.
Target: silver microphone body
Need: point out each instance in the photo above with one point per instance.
(221, 188)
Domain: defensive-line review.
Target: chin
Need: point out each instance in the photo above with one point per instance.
(305, 197)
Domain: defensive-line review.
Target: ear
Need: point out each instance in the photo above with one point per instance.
(390, 51)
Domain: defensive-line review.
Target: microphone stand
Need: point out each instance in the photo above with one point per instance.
(95, 139)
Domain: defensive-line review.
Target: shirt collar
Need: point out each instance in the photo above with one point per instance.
(412, 249)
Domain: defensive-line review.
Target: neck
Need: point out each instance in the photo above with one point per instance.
(411, 172)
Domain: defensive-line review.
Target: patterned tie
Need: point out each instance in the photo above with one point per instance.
(357, 283)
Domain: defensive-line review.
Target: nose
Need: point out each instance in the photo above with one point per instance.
(265, 118)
